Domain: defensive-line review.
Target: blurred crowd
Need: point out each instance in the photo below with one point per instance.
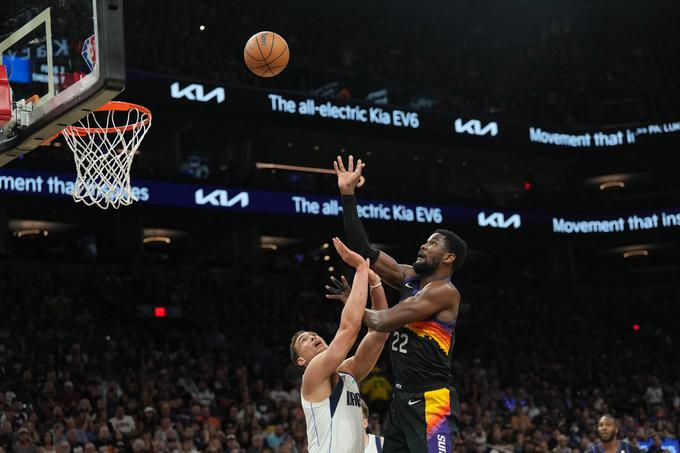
(568, 63)
(82, 369)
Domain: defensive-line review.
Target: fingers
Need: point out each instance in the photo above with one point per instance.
(341, 285)
(339, 242)
(339, 247)
(360, 166)
(339, 297)
(334, 290)
(340, 164)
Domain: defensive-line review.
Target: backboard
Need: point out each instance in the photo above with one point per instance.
(64, 58)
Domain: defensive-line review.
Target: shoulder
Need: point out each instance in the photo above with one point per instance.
(315, 392)
(593, 448)
(441, 289)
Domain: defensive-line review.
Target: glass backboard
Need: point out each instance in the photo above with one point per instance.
(63, 58)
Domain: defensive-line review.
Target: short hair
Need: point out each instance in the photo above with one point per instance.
(293, 352)
(609, 416)
(364, 408)
(455, 245)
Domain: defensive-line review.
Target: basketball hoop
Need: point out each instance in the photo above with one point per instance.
(104, 144)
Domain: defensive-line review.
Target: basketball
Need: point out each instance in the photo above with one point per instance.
(266, 54)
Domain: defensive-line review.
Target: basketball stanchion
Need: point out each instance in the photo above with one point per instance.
(323, 171)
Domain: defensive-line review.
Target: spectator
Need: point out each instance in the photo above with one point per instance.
(23, 444)
(520, 420)
(257, 444)
(656, 445)
(122, 422)
(232, 443)
(148, 420)
(654, 394)
(204, 396)
(378, 391)
(562, 445)
(278, 394)
(104, 439)
(48, 443)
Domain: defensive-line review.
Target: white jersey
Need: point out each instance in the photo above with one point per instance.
(374, 444)
(335, 425)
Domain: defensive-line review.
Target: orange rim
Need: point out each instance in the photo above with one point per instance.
(112, 106)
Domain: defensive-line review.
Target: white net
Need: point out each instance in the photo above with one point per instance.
(104, 144)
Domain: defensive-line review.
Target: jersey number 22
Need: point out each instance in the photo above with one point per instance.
(399, 343)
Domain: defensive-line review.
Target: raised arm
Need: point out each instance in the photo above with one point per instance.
(323, 366)
(378, 298)
(438, 297)
(384, 265)
(372, 344)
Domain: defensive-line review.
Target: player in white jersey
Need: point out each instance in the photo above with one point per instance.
(330, 391)
(372, 443)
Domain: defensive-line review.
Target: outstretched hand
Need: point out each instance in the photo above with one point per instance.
(348, 178)
(348, 256)
(340, 289)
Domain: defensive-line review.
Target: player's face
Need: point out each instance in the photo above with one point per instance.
(430, 254)
(606, 429)
(308, 345)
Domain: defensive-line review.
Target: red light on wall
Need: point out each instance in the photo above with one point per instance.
(527, 185)
(159, 312)
(636, 327)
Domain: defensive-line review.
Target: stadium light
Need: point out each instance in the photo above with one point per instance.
(612, 184)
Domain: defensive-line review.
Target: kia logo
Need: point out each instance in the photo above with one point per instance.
(196, 92)
(498, 220)
(474, 127)
(221, 198)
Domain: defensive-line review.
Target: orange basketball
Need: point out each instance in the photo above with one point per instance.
(266, 54)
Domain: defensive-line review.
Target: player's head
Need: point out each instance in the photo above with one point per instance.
(364, 412)
(304, 346)
(606, 428)
(444, 251)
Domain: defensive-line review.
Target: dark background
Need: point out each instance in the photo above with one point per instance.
(553, 331)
